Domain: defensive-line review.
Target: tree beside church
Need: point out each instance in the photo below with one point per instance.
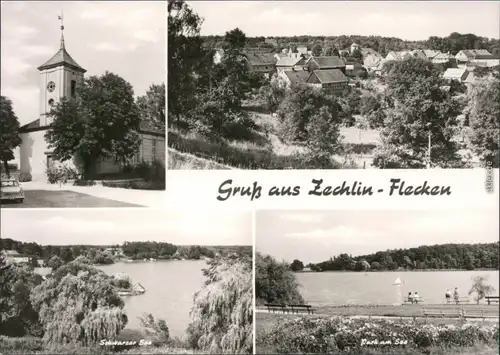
(86, 125)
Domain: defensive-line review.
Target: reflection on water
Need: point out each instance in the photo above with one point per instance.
(339, 288)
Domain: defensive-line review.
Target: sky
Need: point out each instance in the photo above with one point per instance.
(126, 38)
(315, 236)
(410, 20)
(115, 226)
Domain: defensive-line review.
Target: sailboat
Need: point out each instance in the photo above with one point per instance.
(397, 281)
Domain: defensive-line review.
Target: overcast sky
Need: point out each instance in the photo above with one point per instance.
(412, 20)
(115, 226)
(314, 236)
(127, 38)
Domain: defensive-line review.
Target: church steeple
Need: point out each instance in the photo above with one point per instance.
(62, 30)
(62, 57)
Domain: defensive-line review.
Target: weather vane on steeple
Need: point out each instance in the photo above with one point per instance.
(61, 18)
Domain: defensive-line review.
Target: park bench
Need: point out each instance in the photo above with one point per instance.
(491, 299)
(461, 300)
(413, 301)
(442, 312)
(296, 308)
(277, 307)
(479, 313)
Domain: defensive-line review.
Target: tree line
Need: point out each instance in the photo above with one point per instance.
(441, 257)
(327, 45)
(56, 254)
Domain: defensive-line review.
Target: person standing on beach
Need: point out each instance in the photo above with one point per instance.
(410, 297)
(455, 295)
(448, 296)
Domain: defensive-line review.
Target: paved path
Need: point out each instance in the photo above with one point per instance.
(119, 197)
(63, 199)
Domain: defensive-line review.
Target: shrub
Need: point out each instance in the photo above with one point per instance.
(25, 344)
(337, 334)
(84, 183)
(274, 282)
(25, 177)
(60, 173)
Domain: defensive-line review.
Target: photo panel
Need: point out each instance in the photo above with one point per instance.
(377, 281)
(280, 85)
(126, 281)
(83, 104)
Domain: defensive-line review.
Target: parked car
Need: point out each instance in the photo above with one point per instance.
(11, 191)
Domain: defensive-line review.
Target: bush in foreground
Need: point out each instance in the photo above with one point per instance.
(342, 335)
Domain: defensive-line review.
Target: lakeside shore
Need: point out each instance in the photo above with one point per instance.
(402, 270)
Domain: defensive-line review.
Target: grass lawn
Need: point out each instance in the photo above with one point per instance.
(62, 199)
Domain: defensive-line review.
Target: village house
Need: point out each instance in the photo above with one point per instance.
(260, 62)
(290, 63)
(371, 59)
(13, 257)
(294, 78)
(470, 81)
(443, 58)
(458, 74)
(326, 63)
(355, 69)
(332, 80)
(60, 77)
(402, 55)
(479, 56)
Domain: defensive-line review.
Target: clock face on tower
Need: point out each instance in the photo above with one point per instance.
(51, 86)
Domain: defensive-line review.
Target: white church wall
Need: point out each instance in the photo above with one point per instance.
(33, 160)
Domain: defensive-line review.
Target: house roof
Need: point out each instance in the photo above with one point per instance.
(430, 53)
(477, 54)
(62, 57)
(471, 78)
(288, 61)
(328, 62)
(11, 253)
(454, 73)
(302, 50)
(370, 51)
(144, 126)
(330, 76)
(297, 77)
(259, 58)
(442, 56)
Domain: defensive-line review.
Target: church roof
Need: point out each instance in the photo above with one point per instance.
(33, 125)
(63, 58)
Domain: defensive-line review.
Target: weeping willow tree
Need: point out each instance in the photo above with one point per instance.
(222, 314)
(78, 304)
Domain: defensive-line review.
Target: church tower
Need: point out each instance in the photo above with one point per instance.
(59, 77)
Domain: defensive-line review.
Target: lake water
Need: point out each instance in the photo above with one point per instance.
(340, 288)
(170, 287)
